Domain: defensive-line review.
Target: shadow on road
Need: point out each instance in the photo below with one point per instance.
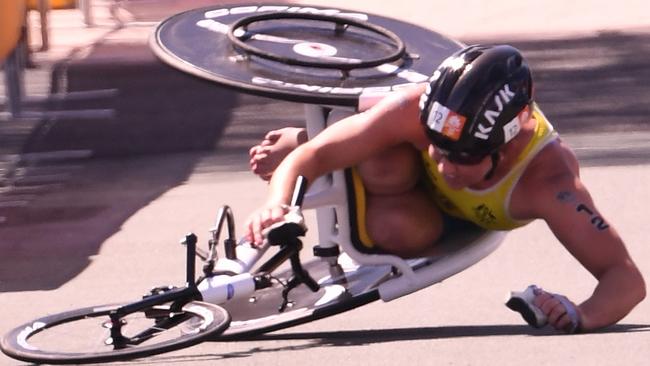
(80, 179)
(361, 337)
(366, 337)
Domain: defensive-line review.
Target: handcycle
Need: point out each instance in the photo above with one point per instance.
(234, 299)
(245, 292)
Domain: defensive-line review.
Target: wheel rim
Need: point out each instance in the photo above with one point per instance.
(81, 335)
(397, 54)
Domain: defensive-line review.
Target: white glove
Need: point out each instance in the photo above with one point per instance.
(522, 302)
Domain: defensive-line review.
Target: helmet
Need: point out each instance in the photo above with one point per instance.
(473, 101)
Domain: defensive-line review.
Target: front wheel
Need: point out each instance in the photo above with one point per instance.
(84, 336)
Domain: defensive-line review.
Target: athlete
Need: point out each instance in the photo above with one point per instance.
(470, 145)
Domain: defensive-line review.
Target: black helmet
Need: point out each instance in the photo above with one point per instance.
(473, 100)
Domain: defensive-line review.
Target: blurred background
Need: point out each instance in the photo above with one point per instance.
(80, 76)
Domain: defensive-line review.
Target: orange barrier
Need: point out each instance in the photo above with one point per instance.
(54, 4)
(12, 16)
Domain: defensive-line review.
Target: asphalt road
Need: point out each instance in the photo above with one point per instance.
(123, 241)
(80, 231)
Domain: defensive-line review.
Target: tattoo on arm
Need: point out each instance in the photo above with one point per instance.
(566, 197)
(597, 221)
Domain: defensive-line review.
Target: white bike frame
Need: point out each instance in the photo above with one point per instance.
(328, 196)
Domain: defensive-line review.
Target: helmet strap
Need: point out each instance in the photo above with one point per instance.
(495, 162)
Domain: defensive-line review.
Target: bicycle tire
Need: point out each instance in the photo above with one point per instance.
(26, 343)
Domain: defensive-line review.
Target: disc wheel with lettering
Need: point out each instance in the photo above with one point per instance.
(306, 54)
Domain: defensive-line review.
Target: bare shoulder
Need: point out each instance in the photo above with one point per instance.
(406, 98)
(412, 92)
(554, 170)
(398, 115)
(556, 161)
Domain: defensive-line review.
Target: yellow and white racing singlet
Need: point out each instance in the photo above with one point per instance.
(489, 208)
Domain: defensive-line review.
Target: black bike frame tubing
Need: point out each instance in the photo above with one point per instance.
(280, 257)
(190, 241)
(183, 293)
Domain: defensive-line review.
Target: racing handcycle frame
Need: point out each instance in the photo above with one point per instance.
(245, 292)
(224, 301)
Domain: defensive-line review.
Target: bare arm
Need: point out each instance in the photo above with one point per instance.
(568, 209)
(346, 143)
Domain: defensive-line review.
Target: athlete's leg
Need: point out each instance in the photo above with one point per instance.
(393, 171)
(406, 224)
(277, 144)
(401, 217)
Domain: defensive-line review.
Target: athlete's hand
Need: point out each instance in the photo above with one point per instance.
(562, 314)
(262, 219)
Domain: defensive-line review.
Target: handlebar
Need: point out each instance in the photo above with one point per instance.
(299, 191)
(293, 225)
(286, 234)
